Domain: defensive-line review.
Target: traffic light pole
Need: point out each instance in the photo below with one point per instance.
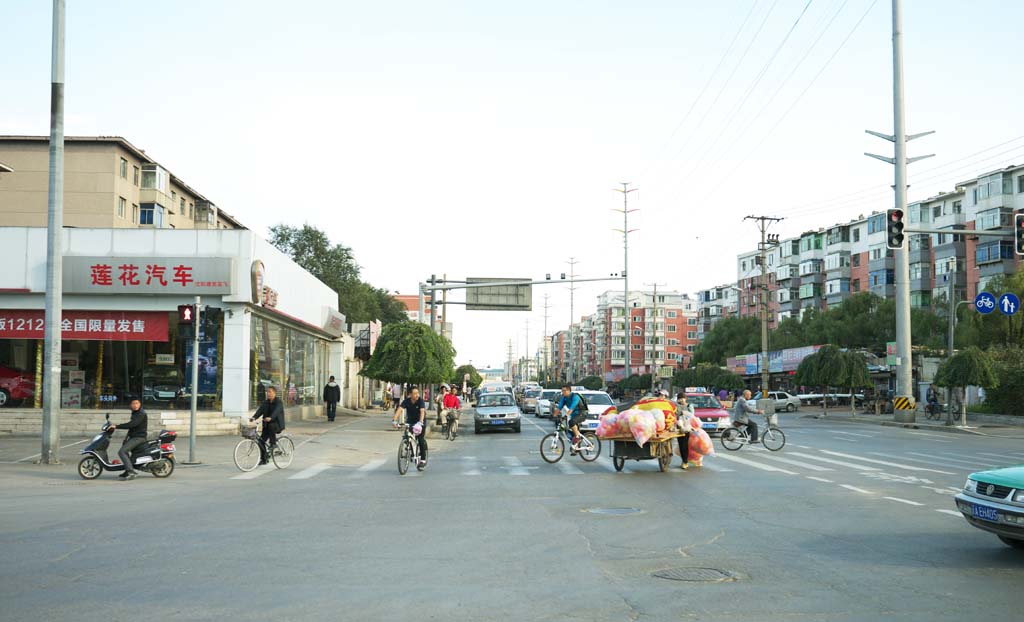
(196, 317)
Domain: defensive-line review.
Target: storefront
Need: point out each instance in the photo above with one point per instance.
(265, 321)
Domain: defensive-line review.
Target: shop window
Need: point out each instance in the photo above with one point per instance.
(293, 361)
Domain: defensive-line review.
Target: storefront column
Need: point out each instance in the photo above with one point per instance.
(236, 363)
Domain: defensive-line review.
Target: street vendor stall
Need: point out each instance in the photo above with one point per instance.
(647, 431)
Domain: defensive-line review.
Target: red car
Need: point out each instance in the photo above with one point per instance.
(713, 418)
(15, 385)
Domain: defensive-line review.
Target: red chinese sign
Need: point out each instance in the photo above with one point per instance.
(87, 325)
(148, 275)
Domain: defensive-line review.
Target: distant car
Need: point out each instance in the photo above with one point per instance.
(784, 402)
(15, 385)
(496, 411)
(529, 401)
(547, 397)
(707, 408)
(993, 501)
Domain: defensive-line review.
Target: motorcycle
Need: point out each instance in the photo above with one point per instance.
(155, 456)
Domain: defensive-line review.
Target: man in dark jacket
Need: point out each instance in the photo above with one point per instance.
(272, 412)
(137, 428)
(332, 395)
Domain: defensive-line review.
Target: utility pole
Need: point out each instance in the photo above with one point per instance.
(625, 265)
(508, 360)
(526, 354)
(547, 359)
(197, 324)
(444, 304)
(50, 453)
(654, 339)
(899, 138)
(763, 222)
(572, 318)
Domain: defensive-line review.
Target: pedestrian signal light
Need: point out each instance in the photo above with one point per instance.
(1018, 233)
(186, 314)
(894, 229)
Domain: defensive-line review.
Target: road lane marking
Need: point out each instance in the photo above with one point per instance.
(855, 434)
(470, 466)
(931, 437)
(62, 447)
(606, 462)
(855, 489)
(756, 465)
(1018, 459)
(848, 440)
(850, 465)
(714, 466)
(819, 479)
(312, 471)
(569, 469)
(951, 513)
(806, 465)
(886, 463)
(802, 446)
(263, 469)
(940, 491)
(906, 501)
(940, 463)
(515, 466)
(364, 470)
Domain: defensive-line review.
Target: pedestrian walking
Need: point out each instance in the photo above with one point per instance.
(332, 395)
(684, 411)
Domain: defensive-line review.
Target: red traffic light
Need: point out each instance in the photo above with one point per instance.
(186, 314)
(894, 229)
(1018, 233)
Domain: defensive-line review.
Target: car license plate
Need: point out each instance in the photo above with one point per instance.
(985, 513)
(710, 426)
(497, 422)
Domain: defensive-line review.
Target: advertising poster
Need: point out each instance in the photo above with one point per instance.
(208, 362)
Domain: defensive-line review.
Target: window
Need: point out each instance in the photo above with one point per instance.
(856, 234)
(837, 286)
(673, 342)
(836, 261)
(920, 270)
(920, 299)
(936, 212)
(920, 242)
(135, 214)
(810, 267)
(876, 224)
(637, 332)
(993, 219)
(743, 266)
(181, 204)
(135, 175)
(957, 207)
(881, 277)
(945, 266)
(810, 290)
(124, 168)
(877, 251)
(689, 348)
(810, 243)
(191, 210)
(1020, 183)
(154, 178)
(618, 326)
(855, 260)
(671, 314)
(692, 334)
(672, 328)
(636, 346)
(855, 285)
(618, 354)
(174, 198)
(636, 318)
(120, 207)
(691, 321)
(991, 252)
(146, 215)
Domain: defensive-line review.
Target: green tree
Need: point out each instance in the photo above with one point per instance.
(1009, 368)
(994, 329)
(474, 376)
(971, 366)
(730, 336)
(411, 352)
(826, 367)
(855, 375)
(592, 383)
(336, 267)
(707, 375)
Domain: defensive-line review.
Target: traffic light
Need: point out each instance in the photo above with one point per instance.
(894, 228)
(1018, 233)
(186, 314)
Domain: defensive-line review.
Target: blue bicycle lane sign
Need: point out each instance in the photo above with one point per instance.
(1008, 304)
(985, 303)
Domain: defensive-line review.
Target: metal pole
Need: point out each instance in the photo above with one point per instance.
(904, 371)
(50, 453)
(444, 305)
(952, 333)
(762, 301)
(423, 306)
(572, 318)
(196, 325)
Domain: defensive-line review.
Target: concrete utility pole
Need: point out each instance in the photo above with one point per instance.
(526, 354)
(625, 265)
(194, 404)
(50, 453)
(508, 372)
(572, 318)
(547, 358)
(444, 304)
(654, 339)
(763, 222)
(899, 138)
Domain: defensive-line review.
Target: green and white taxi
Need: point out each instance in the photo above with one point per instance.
(994, 501)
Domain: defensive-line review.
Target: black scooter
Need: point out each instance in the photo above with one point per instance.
(156, 456)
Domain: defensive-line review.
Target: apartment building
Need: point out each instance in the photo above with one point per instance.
(714, 304)
(108, 183)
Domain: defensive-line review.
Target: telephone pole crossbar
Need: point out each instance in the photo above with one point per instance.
(763, 222)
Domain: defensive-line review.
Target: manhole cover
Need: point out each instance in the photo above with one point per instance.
(614, 511)
(705, 575)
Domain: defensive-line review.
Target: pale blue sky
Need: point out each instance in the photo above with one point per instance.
(490, 127)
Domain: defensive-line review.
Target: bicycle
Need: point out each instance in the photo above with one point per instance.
(408, 451)
(552, 446)
(450, 428)
(932, 411)
(386, 402)
(247, 451)
(737, 436)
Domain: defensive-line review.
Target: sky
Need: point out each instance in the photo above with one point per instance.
(485, 139)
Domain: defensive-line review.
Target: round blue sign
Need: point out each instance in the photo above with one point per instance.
(1008, 304)
(985, 303)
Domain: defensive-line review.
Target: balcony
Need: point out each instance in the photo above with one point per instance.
(921, 284)
(840, 272)
(885, 291)
(836, 298)
(882, 263)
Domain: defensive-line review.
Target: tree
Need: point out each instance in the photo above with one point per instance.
(592, 383)
(411, 352)
(970, 366)
(707, 375)
(824, 368)
(475, 379)
(855, 375)
(1009, 368)
(336, 267)
(730, 336)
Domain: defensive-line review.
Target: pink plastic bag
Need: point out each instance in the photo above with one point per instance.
(642, 426)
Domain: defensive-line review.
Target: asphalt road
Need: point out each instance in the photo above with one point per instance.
(848, 522)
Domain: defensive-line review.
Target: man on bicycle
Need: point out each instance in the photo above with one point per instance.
(416, 412)
(272, 412)
(451, 405)
(740, 414)
(572, 403)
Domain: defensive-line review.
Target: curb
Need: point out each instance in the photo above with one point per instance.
(912, 426)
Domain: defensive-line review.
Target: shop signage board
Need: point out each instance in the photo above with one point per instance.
(87, 325)
(198, 276)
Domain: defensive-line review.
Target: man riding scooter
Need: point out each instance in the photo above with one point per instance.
(136, 427)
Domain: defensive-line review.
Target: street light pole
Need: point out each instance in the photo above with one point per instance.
(625, 265)
(50, 452)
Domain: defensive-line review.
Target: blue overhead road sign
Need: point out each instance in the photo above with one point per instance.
(1008, 304)
(985, 303)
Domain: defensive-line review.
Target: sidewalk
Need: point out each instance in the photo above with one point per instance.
(1012, 429)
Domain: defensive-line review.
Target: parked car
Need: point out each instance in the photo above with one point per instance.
(162, 385)
(529, 401)
(707, 408)
(993, 501)
(546, 399)
(15, 385)
(784, 402)
(496, 411)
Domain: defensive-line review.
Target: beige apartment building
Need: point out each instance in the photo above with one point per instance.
(108, 183)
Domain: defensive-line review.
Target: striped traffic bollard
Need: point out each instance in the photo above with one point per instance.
(904, 408)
